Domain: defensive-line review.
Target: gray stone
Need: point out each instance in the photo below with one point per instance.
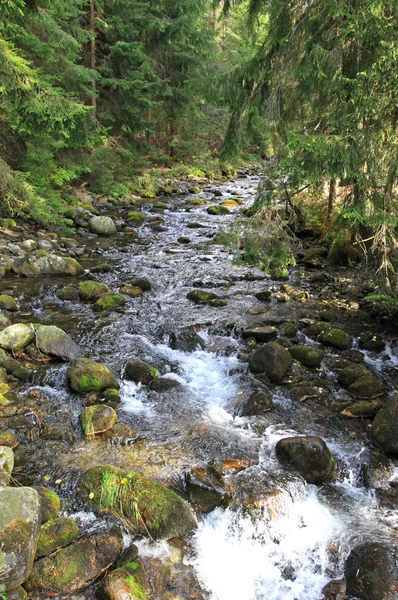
(54, 341)
(16, 337)
(6, 464)
(102, 226)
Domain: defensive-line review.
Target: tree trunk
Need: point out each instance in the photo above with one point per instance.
(93, 59)
(331, 198)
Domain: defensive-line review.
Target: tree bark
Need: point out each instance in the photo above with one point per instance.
(331, 198)
(93, 59)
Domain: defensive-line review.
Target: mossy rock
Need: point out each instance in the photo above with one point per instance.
(272, 360)
(72, 568)
(16, 337)
(263, 295)
(102, 225)
(6, 464)
(362, 408)
(69, 292)
(8, 438)
(145, 505)
(122, 584)
(368, 386)
(110, 301)
(12, 366)
(385, 427)
(194, 189)
(309, 455)
(50, 503)
(136, 217)
(55, 534)
(8, 303)
(205, 297)
(307, 355)
(336, 338)
(327, 315)
(195, 201)
(97, 419)
(131, 290)
(288, 330)
(141, 372)
(90, 291)
(261, 333)
(141, 282)
(317, 328)
(231, 202)
(351, 374)
(218, 210)
(112, 394)
(258, 403)
(369, 572)
(4, 322)
(85, 375)
(315, 258)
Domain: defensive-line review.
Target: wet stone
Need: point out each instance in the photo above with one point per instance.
(258, 403)
(369, 571)
(56, 534)
(309, 455)
(264, 333)
(50, 503)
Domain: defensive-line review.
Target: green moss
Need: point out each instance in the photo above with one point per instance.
(337, 338)
(194, 189)
(87, 383)
(136, 217)
(109, 302)
(41, 254)
(92, 290)
(135, 589)
(218, 210)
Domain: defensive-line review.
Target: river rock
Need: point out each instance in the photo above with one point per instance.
(121, 584)
(336, 338)
(85, 375)
(4, 322)
(258, 403)
(141, 372)
(186, 340)
(16, 337)
(54, 341)
(218, 210)
(8, 303)
(141, 282)
(135, 217)
(97, 419)
(362, 408)
(315, 258)
(272, 359)
(368, 386)
(69, 292)
(377, 472)
(110, 301)
(51, 264)
(131, 290)
(313, 330)
(309, 455)
(372, 343)
(19, 526)
(350, 374)
(263, 295)
(55, 534)
(72, 568)
(288, 330)
(204, 490)
(102, 226)
(307, 355)
(6, 464)
(205, 297)
(335, 590)
(261, 333)
(385, 427)
(90, 291)
(369, 571)
(50, 503)
(146, 506)
(8, 438)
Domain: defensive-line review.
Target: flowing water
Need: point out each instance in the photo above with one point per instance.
(280, 539)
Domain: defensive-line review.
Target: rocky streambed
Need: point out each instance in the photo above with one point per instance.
(174, 425)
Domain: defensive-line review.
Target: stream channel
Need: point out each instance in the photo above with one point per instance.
(280, 538)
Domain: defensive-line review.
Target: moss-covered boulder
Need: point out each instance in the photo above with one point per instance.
(109, 302)
(19, 526)
(385, 427)
(16, 337)
(367, 386)
(316, 328)
(369, 572)
(6, 464)
(272, 360)
(72, 568)
(362, 408)
(231, 202)
(205, 297)
(8, 438)
(350, 374)
(263, 295)
(55, 534)
(50, 503)
(90, 291)
(85, 375)
(194, 189)
(97, 419)
(135, 217)
(49, 265)
(308, 455)
(258, 403)
(102, 226)
(307, 355)
(145, 505)
(8, 303)
(218, 210)
(13, 367)
(261, 333)
(69, 292)
(131, 290)
(195, 201)
(288, 330)
(122, 584)
(141, 372)
(54, 341)
(336, 338)
(141, 282)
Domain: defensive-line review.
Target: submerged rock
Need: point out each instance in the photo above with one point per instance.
(263, 295)
(309, 455)
(145, 505)
(272, 359)
(102, 226)
(97, 419)
(85, 375)
(307, 355)
(385, 427)
(54, 341)
(72, 568)
(19, 526)
(16, 337)
(90, 291)
(56, 534)
(205, 297)
(369, 571)
(141, 372)
(131, 290)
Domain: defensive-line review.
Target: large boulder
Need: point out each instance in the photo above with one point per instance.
(16, 337)
(55, 534)
(102, 226)
(97, 419)
(90, 291)
(19, 526)
(6, 464)
(141, 372)
(368, 386)
(351, 374)
(50, 264)
(369, 572)
(307, 355)
(147, 506)
(272, 359)
(53, 340)
(72, 568)
(385, 427)
(309, 455)
(85, 375)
